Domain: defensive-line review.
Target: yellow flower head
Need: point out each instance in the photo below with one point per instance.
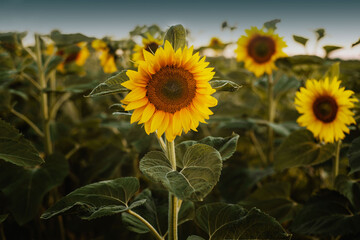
(325, 109)
(150, 44)
(170, 91)
(259, 50)
(107, 58)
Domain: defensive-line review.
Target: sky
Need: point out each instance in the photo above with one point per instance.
(341, 19)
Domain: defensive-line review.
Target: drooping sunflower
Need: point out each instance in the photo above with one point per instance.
(72, 54)
(107, 56)
(325, 109)
(170, 91)
(259, 50)
(150, 44)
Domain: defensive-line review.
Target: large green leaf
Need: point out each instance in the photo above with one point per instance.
(25, 187)
(227, 221)
(99, 199)
(329, 49)
(155, 210)
(320, 33)
(327, 213)
(349, 188)
(285, 84)
(224, 85)
(111, 85)
(354, 156)
(300, 149)
(333, 71)
(15, 148)
(274, 199)
(271, 25)
(176, 35)
(225, 146)
(194, 237)
(201, 168)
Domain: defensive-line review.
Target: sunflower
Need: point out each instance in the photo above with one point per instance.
(325, 109)
(107, 56)
(259, 50)
(216, 43)
(79, 54)
(170, 91)
(150, 44)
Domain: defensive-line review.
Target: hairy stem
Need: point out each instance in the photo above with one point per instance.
(271, 118)
(151, 228)
(173, 201)
(336, 161)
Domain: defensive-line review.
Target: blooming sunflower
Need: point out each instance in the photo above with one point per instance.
(150, 44)
(107, 56)
(216, 43)
(259, 50)
(170, 91)
(325, 109)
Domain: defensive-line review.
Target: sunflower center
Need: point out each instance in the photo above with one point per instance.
(261, 48)
(325, 108)
(171, 89)
(151, 47)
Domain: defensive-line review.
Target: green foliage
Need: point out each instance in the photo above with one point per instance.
(355, 43)
(227, 221)
(68, 39)
(14, 148)
(320, 33)
(274, 199)
(328, 213)
(3, 217)
(300, 149)
(300, 40)
(201, 168)
(333, 71)
(349, 188)
(329, 49)
(224, 85)
(176, 35)
(25, 188)
(225, 146)
(155, 210)
(111, 86)
(354, 155)
(98, 199)
(271, 24)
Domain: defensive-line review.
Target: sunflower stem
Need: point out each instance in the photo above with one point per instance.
(271, 118)
(173, 201)
(150, 227)
(336, 161)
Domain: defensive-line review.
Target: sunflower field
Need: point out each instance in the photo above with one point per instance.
(147, 137)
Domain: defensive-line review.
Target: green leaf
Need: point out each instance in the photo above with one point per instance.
(111, 85)
(333, 71)
(228, 221)
(99, 199)
(155, 210)
(176, 35)
(300, 149)
(25, 188)
(274, 199)
(300, 40)
(272, 24)
(201, 170)
(356, 43)
(354, 156)
(225, 146)
(349, 188)
(14, 148)
(3, 217)
(224, 85)
(320, 33)
(328, 49)
(328, 213)
(68, 39)
(285, 84)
